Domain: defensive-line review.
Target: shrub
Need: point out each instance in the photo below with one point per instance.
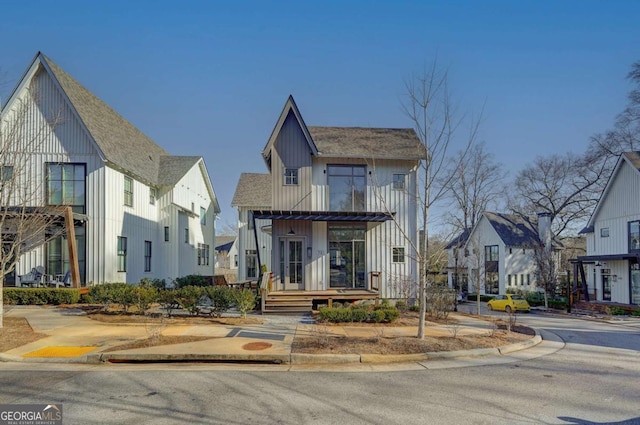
(100, 294)
(40, 296)
(221, 299)
(401, 305)
(391, 314)
(557, 304)
(359, 314)
(122, 293)
(245, 300)
(153, 283)
(617, 311)
(378, 316)
(143, 297)
(192, 280)
(415, 307)
(168, 300)
(189, 297)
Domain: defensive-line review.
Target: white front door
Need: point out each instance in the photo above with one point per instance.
(292, 263)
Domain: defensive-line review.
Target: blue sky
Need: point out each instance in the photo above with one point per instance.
(210, 78)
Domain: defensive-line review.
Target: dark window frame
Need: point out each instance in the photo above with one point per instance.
(147, 256)
(122, 253)
(50, 172)
(291, 177)
(128, 192)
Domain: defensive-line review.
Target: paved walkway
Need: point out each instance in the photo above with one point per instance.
(73, 337)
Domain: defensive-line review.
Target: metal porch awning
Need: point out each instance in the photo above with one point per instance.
(322, 215)
(587, 259)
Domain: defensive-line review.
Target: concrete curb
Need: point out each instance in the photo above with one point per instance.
(291, 359)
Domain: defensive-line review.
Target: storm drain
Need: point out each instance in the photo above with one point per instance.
(60, 351)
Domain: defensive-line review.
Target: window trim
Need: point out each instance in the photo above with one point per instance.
(153, 193)
(399, 181)
(166, 234)
(291, 177)
(128, 194)
(147, 256)
(203, 216)
(186, 235)
(6, 173)
(79, 208)
(398, 255)
(203, 254)
(122, 254)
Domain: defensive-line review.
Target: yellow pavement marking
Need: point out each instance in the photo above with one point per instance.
(68, 351)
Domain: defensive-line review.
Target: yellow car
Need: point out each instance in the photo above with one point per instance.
(509, 303)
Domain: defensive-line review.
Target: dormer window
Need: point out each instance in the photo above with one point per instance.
(290, 176)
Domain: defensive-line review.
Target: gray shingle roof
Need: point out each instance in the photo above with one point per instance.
(224, 242)
(173, 168)
(253, 190)
(122, 144)
(513, 229)
(360, 142)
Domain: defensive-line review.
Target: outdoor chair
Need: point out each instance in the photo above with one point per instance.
(33, 278)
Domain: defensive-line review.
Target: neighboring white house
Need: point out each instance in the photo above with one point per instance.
(342, 207)
(497, 254)
(252, 193)
(225, 248)
(612, 271)
(144, 213)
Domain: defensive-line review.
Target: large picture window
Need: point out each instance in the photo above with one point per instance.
(491, 277)
(66, 185)
(347, 186)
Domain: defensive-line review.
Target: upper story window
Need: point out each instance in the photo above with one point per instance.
(290, 176)
(66, 185)
(491, 253)
(128, 191)
(398, 181)
(347, 185)
(398, 254)
(604, 232)
(634, 236)
(6, 173)
(152, 195)
(203, 216)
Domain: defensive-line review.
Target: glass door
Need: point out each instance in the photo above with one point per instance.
(606, 285)
(347, 260)
(292, 263)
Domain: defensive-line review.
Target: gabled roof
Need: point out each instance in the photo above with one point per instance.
(350, 142)
(361, 142)
(122, 144)
(290, 107)
(173, 168)
(253, 190)
(459, 240)
(631, 158)
(224, 242)
(513, 229)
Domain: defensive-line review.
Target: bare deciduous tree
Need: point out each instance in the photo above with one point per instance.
(26, 221)
(475, 188)
(429, 107)
(567, 187)
(546, 271)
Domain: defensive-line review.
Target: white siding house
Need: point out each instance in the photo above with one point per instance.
(136, 203)
(342, 206)
(610, 271)
(497, 254)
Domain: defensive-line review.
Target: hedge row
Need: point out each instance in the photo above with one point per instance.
(358, 314)
(40, 296)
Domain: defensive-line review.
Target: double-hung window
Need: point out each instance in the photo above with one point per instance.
(398, 254)
(128, 191)
(147, 256)
(122, 254)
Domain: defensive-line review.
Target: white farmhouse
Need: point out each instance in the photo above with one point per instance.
(610, 271)
(497, 254)
(341, 211)
(141, 212)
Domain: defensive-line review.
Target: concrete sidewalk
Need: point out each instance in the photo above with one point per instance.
(73, 337)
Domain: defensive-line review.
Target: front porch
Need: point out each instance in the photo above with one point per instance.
(302, 301)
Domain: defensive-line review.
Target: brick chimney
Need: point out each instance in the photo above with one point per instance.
(544, 228)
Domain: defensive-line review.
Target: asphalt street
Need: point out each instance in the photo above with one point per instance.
(591, 377)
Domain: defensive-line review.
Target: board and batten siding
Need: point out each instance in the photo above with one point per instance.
(291, 150)
(66, 141)
(620, 206)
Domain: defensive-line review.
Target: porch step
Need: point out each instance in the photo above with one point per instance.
(288, 304)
